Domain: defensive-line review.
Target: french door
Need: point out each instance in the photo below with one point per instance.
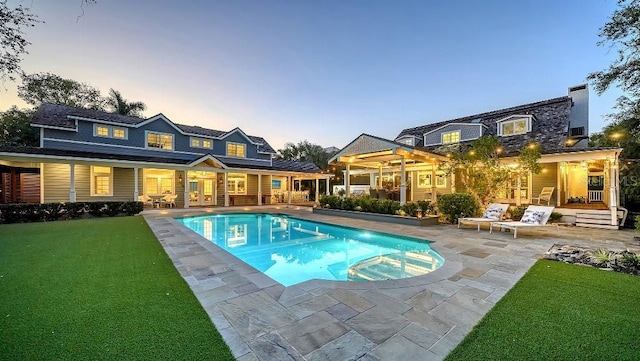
(202, 192)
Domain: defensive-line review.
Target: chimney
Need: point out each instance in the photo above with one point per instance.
(579, 115)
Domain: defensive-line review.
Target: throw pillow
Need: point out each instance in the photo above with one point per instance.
(532, 217)
(492, 213)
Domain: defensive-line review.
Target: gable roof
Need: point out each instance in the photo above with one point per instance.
(66, 117)
(550, 127)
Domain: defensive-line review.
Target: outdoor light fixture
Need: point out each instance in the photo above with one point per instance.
(419, 213)
(180, 179)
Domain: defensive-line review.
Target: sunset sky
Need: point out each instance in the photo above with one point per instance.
(322, 71)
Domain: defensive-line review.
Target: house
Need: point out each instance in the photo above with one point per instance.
(585, 180)
(89, 155)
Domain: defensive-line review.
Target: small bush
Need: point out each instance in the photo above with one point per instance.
(517, 212)
(554, 217)
(427, 207)
(457, 205)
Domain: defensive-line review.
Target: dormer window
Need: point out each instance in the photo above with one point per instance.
(407, 141)
(514, 125)
(451, 137)
(236, 150)
(163, 141)
(108, 131)
(201, 143)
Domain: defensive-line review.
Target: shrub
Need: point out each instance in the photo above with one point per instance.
(45, 212)
(410, 209)
(601, 257)
(427, 207)
(637, 223)
(457, 205)
(517, 212)
(554, 217)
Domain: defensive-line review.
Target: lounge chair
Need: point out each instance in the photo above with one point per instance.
(534, 216)
(545, 195)
(494, 213)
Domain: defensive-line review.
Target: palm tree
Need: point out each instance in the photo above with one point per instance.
(118, 104)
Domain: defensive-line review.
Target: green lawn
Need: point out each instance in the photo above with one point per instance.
(560, 312)
(98, 289)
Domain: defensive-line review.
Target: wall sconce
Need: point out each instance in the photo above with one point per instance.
(221, 180)
(180, 179)
(419, 213)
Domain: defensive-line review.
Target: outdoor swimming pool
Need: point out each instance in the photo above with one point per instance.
(292, 250)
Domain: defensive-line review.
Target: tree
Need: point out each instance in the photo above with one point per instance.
(15, 128)
(118, 104)
(482, 172)
(50, 88)
(12, 42)
(622, 33)
(306, 152)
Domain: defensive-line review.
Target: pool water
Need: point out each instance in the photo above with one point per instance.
(292, 250)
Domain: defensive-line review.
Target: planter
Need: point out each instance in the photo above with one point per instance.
(377, 217)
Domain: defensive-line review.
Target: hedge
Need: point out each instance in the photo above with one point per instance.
(374, 205)
(45, 212)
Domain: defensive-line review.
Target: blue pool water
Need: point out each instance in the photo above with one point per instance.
(292, 250)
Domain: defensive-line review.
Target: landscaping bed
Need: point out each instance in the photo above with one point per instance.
(377, 217)
(625, 261)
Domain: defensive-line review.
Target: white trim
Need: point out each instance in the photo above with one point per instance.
(41, 137)
(226, 150)
(207, 157)
(449, 124)
(146, 140)
(238, 130)
(92, 182)
(440, 175)
(118, 146)
(54, 127)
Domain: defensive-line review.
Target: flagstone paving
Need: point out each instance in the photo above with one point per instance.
(424, 317)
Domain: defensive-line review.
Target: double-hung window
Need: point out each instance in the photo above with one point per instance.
(101, 181)
(236, 150)
(201, 143)
(424, 179)
(514, 125)
(162, 141)
(237, 183)
(108, 131)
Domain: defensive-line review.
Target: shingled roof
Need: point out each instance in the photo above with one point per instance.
(57, 115)
(550, 126)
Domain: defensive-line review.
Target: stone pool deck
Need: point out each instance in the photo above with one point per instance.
(421, 318)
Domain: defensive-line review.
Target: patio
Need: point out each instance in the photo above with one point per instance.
(421, 318)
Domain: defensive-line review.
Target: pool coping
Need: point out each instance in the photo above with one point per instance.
(424, 316)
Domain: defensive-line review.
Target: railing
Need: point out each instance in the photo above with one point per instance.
(595, 196)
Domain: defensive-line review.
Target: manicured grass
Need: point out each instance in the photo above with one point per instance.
(98, 289)
(560, 312)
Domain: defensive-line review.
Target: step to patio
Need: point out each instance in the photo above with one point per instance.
(594, 219)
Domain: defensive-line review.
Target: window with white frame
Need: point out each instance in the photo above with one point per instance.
(236, 150)
(101, 181)
(159, 181)
(108, 131)
(451, 137)
(407, 141)
(424, 179)
(514, 126)
(162, 141)
(237, 183)
(201, 143)
(441, 180)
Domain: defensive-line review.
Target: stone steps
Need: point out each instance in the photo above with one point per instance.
(592, 218)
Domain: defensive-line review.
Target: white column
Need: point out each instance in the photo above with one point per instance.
(259, 189)
(226, 189)
(326, 191)
(185, 184)
(379, 177)
(317, 190)
(72, 182)
(614, 193)
(347, 181)
(136, 192)
(403, 183)
(289, 188)
(558, 183)
(433, 183)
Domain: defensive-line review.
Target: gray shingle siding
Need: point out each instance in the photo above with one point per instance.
(467, 132)
(549, 128)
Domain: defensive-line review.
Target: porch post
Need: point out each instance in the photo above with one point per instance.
(136, 192)
(185, 183)
(317, 190)
(259, 189)
(347, 181)
(72, 182)
(403, 185)
(433, 183)
(226, 189)
(614, 180)
(558, 183)
(380, 177)
(289, 188)
(326, 191)
(518, 184)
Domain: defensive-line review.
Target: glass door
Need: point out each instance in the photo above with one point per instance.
(202, 192)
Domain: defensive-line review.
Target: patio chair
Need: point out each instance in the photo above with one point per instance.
(545, 195)
(494, 213)
(145, 199)
(534, 216)
(169, 200)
